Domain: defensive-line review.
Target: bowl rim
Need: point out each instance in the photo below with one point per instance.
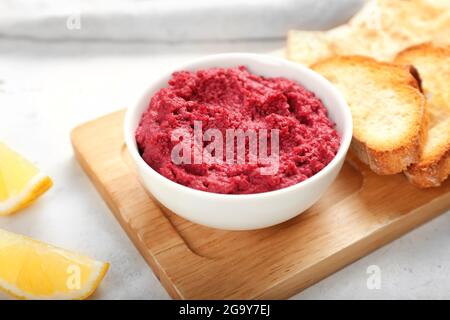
(346, 135)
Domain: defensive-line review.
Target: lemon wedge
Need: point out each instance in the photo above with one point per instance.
(30, 269)
(20, 181)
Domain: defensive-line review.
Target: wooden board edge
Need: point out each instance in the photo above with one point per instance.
(358, 250)
(150, 259)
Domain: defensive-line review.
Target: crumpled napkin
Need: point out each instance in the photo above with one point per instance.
(170, 20)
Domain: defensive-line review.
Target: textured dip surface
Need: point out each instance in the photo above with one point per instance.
(234, 98)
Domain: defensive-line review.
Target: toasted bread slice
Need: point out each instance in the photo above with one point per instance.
(433, 64)
(387, 109)
(308, 47)
(380, 30)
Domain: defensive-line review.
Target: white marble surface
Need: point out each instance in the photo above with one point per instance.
(48, 88)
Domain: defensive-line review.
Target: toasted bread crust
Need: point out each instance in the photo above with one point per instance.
(423, 49)
(431, 175)
(401, 154)
(432, 169)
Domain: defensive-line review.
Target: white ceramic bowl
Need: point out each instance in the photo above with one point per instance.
(252, 211)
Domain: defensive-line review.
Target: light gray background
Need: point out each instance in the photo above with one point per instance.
(47, 87)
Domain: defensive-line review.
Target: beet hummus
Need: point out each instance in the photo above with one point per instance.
(234, 98)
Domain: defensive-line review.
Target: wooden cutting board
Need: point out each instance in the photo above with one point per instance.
(359, 213)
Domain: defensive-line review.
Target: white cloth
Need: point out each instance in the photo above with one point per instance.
(170, 20)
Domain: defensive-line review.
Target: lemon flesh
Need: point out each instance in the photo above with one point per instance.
(30, 269)
(20, 181)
